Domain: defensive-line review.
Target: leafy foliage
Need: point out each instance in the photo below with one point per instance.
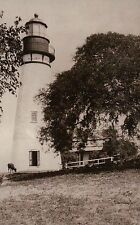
(102, 85)
(123, 148)
(10, 56)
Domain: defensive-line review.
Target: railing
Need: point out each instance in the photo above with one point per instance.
(90, 162)
(51, 50)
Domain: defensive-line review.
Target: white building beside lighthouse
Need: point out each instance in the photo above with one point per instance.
(27, 153)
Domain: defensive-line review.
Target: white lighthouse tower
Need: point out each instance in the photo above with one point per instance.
(28, 154)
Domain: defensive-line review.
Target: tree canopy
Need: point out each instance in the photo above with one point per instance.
(10, 56)
(102, 86)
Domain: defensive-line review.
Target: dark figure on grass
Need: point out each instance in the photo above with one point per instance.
(11, 168)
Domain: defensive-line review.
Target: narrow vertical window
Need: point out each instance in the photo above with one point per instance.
(34, 158)
(34, 116)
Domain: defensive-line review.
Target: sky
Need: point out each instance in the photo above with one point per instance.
(69, 22)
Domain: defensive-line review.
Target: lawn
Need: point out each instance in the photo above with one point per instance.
(111, 198)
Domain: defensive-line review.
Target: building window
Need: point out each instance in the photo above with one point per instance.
(34, 158)
(34, 116)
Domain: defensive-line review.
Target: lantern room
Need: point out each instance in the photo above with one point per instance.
(36, 44)
(36, 27)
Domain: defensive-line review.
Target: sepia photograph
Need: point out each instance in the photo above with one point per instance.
(69, 112)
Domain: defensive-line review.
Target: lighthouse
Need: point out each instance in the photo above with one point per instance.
(28, 154)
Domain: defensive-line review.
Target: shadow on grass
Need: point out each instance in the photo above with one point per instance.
(94, 169)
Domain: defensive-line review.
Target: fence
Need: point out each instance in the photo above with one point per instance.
(91, 162)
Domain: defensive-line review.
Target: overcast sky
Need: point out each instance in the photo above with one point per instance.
(71, 21)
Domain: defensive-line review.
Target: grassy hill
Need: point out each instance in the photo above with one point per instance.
(111, 198)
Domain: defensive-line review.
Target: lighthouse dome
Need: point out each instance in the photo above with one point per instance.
(36, 20)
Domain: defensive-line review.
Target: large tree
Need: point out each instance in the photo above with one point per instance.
(10, 56)
(102, 86)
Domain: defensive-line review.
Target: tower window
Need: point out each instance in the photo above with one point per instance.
(34, 116)
(34, 158)
(36, 57)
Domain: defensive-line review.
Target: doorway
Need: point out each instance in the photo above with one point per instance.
(34, 158)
